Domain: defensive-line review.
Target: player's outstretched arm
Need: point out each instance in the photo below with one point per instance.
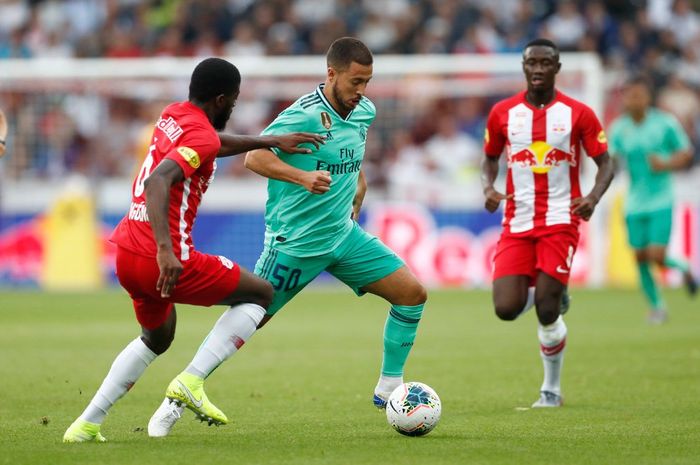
(489, 173)
(288, 143)
(267, 164)
(584, 206)
(679, 160)
(157, 188)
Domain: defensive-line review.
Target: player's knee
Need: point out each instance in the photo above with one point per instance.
(418, 295)
(157, 343)
(657, 257)
(641, 255)
(507, 312)
(548, 309)
(264, 294)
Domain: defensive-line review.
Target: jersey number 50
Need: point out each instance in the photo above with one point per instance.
(284, 279)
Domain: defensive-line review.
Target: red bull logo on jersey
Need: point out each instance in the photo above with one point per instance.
(540, 157)
(170, 127)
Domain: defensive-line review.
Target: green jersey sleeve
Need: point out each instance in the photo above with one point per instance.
(676, 137)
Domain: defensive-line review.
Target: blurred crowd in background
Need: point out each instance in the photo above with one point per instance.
(658, 37)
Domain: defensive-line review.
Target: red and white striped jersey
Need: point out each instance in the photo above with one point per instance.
(543, 146)
(184, 135)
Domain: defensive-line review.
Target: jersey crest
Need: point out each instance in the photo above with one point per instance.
(326, 120)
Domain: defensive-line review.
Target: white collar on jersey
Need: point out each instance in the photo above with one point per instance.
(319, 92)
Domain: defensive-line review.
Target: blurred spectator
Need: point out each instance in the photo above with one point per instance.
(658, 37)
(684, 22)
(452, 155)
(244, 42)
(15, 46)
(682, 101)
(566, 26)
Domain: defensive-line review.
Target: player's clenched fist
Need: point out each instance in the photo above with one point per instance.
(316, 182)
(583, 207)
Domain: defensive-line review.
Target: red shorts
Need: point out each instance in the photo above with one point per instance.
(549, 250)
(205, 280)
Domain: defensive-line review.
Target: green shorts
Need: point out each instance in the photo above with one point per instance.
(645, 229)
(361, 259)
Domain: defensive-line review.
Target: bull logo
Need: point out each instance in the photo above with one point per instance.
(541, 157)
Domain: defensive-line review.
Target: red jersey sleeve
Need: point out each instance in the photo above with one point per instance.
(196, 147)
(494, 138)
(592, 134)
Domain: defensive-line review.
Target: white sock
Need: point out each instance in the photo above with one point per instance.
(126, 370)
(230, 332)
(529, 303)
(552, 342)
(387, 384)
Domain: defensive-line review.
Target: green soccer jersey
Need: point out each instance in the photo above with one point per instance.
(633, 143)
(304, 224)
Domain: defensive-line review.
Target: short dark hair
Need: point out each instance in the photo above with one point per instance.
(542, 42)
(212, 77)
(346, 50)
(639, 79)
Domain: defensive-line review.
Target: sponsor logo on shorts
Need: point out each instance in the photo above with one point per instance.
(190, 156)
(569, 261)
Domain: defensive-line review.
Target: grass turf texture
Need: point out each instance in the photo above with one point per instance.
(300, 390)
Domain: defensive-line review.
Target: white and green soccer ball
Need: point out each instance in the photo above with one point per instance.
(413, 409)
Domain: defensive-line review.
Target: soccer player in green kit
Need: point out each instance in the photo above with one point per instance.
(311, 214)
(651, 144)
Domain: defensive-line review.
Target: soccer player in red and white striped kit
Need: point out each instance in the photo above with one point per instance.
(157, 263)
(542, 132)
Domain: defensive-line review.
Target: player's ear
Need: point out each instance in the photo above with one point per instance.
(331, 73)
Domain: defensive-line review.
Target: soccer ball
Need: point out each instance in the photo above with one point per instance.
(413, 409)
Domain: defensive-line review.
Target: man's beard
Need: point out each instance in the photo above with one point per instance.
(220, 121)
(339, 100)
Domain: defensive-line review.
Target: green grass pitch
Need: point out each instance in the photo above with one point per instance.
(299, 392)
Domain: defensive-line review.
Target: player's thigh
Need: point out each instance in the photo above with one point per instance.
(252, 289)
(362, 262)
(638, 230)
(138, 275)
(287, 274)
(400, 287)
(510, 294)
(514, 256)
(555, 252)
(206, 280)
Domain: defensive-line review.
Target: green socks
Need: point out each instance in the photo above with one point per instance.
(649, 287)
(677, 263)
(399, 334)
